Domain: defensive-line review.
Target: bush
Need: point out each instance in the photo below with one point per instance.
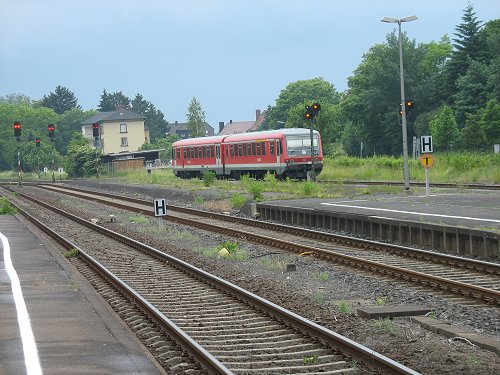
(6, 208)
(310, 188)
(256, 189)
(238, 200)
(208, 178)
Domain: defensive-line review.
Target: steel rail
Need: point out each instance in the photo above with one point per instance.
(339, 239)
(335, 340)
(200, 354)
(456, 287)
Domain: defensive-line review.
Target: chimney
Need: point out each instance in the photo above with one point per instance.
(221, 126)
(230, 121)
(257, 114)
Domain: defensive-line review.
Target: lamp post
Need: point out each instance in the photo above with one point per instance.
(406, 171)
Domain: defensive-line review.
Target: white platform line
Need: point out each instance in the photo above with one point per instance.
(412, 213)
(31, 359)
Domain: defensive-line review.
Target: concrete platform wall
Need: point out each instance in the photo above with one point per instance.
(448, 239)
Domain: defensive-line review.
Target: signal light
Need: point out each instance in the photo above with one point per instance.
(51, 129)
(95, 130)
(17, 130)
(37, 142)
(409, 105)
(312, 110)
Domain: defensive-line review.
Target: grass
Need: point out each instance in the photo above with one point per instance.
(387, 325)
(311, 359)
(318, 297)
(380, 301)
(138, 219)
(71, 253)
(458, 168)
(274, 264)
(321, 276)
(6, 208)
(343, 306)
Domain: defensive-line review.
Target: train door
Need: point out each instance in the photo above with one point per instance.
(218, 161)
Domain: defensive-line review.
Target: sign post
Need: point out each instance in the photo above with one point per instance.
(427, 162)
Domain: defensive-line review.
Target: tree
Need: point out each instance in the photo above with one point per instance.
(298, 93)
(16, 99)
(196, 119)
(67, 124)
(81, 158)
(61, 100)
(444, 129)
(109, 102)
(155, 120)
(473, 91)
(467, 46)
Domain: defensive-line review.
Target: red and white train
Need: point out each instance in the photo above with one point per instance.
(283, 152)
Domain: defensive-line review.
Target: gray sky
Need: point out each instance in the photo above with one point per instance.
(234, 56)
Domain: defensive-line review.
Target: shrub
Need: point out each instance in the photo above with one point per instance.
(310, 188)
(256, 189)
(238, 200)
(6, 208)
(230, 246)
(208, 178)
(71, 253)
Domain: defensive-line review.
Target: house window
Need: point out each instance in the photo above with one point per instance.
(124, 142)
(123, 128)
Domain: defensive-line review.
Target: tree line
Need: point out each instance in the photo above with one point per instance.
(454, 84)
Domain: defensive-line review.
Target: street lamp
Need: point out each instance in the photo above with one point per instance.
(406, 172)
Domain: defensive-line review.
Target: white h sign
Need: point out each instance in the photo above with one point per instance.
(160, 207)
(425, 144)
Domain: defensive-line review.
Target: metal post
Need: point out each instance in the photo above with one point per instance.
(53, 166)
(427, 189)
(406, 171)
(19, 180)
(313, 172)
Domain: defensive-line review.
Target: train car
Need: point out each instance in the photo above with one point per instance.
(283, 152)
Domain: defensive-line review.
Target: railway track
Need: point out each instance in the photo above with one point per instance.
(226, 329)
(459, 276)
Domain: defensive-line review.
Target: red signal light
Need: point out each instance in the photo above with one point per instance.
(17, 130)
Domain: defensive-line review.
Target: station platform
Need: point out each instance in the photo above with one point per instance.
(463, 223)
(72, 330)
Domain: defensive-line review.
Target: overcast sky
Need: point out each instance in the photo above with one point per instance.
(234, 56)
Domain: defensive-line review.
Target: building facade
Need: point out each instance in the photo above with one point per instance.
(120, 131)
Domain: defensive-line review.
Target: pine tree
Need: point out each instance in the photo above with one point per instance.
(467, 46)
(61, 100)
(109, 102)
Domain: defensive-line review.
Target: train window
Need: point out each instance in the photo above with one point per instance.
(212, 151)
(254, 149)
(232, 150)
(263, 149)
(258, 149)
(184, 152)
(244, 150)
(271, 147)
(227, 150)
(279, 148)
(178, 153)
(192, 149)
(240, 150)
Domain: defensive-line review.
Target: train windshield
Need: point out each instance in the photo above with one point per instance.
(300, 142)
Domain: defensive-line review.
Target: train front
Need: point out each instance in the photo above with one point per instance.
(298, 154)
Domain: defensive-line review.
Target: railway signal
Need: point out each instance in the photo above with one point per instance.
(95, 130)
(17, 130)
(409, 104)
(51, 129)
(312, 111)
